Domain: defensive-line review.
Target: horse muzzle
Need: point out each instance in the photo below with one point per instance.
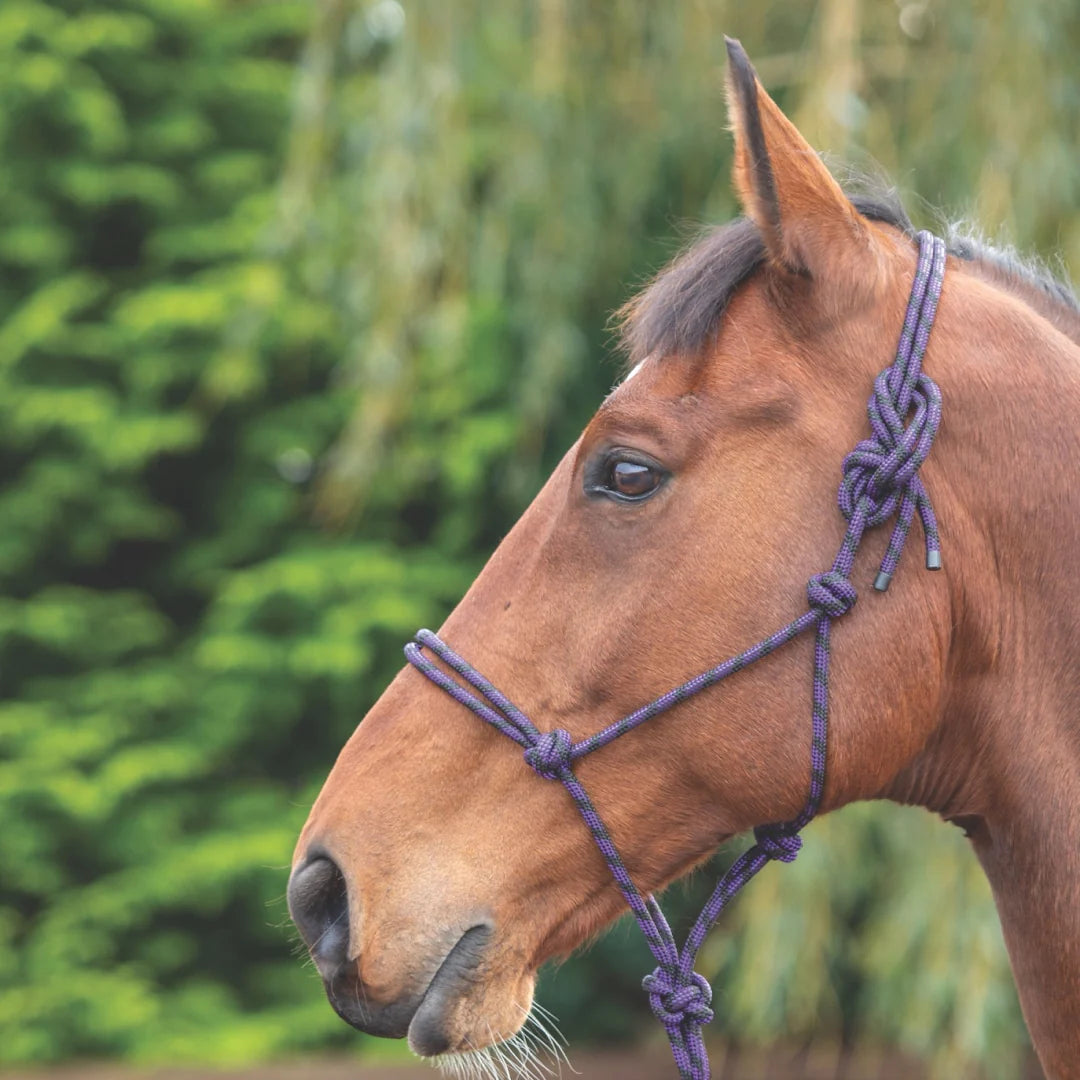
(319, 905)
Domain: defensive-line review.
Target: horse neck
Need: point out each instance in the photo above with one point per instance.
(1047, 302)
(1004, 761)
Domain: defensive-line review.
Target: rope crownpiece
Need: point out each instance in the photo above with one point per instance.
(673, 1004)
(881, 476)
(549, 756)
(831, 594)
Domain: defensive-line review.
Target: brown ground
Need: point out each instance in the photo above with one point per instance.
(652, 1064)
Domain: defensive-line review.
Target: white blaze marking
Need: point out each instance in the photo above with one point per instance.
(633, 371)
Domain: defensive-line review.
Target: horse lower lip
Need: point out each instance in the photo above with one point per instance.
(427, 1036)
(347, 1000)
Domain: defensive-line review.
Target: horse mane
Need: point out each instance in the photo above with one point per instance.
(680, 310)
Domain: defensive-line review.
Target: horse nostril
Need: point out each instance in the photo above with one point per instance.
(319, 905)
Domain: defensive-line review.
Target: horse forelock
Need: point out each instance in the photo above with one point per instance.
(680, 311)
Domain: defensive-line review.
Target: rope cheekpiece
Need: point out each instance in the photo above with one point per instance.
(880, 479)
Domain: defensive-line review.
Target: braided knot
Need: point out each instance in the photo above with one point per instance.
(881, 469)
(831, 594)
(550, 754)
(673, 1004)
(780, 842)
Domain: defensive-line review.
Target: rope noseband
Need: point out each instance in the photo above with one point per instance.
(880, 479)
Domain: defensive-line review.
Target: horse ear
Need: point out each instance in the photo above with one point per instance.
(805, 218)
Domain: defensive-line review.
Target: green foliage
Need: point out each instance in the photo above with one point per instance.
(298, 303)
(181, 651)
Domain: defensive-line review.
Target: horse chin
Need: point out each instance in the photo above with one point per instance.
(528, 1045)
(470, 1007)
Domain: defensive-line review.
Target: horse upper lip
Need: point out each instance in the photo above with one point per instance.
(426, 1035)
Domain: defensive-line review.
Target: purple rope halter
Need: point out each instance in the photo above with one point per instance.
(880, 478)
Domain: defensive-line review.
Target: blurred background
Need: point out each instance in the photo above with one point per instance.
(299, 302)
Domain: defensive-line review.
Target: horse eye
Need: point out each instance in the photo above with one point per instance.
(632, 480)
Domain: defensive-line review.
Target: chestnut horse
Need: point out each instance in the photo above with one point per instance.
(436, 872)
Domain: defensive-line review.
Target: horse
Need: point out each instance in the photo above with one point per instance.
(436, 872)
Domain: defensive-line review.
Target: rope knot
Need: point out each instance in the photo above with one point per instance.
(550, 754)
(881, 474)
(673, 1004)
(880, 469)
(831, 594)
(780, 842)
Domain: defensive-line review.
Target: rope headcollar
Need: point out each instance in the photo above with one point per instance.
(880, 480)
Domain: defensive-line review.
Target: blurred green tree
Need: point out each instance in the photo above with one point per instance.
(180, 650)
(298, 302)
